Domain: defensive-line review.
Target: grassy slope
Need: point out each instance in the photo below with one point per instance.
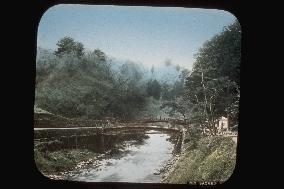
(212, 159)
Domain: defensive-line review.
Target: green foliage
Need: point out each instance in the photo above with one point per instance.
(154, 89)
(67, 46)
(172, 96)
(213, 86)
(191, 137)
(128, 96)
(211, 159)
(87, 87)
(69, 88)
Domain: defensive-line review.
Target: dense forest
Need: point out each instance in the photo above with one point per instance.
(80, 84)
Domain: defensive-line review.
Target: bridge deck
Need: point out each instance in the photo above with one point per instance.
(112, 128)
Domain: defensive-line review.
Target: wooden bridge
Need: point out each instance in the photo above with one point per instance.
(48, 126)
(48, 120)
(55, 127)
(104, 135)
(40, 132)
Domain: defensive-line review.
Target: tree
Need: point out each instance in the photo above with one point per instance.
(100, 55)
(128, 97)
(214, 84)
(79, 49)
(67, 46)
(154, 89)
(166, 91)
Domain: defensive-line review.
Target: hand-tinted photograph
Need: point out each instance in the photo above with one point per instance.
(137, 94)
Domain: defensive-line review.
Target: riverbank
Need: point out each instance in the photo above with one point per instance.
(210, 159)
(56, 164)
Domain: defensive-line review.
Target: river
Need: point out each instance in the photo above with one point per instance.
(139, 161)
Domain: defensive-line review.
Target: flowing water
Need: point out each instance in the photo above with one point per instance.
(135, 160)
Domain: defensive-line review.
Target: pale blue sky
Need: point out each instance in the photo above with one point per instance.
(148, 35)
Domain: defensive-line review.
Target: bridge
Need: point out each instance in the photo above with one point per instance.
(105, 136)
(48, 120)
(108, 130)
(108, 126)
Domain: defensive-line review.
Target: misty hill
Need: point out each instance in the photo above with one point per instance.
(91, 85)
(162, 73)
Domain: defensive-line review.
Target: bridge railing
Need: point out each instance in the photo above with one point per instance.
(149, 120)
